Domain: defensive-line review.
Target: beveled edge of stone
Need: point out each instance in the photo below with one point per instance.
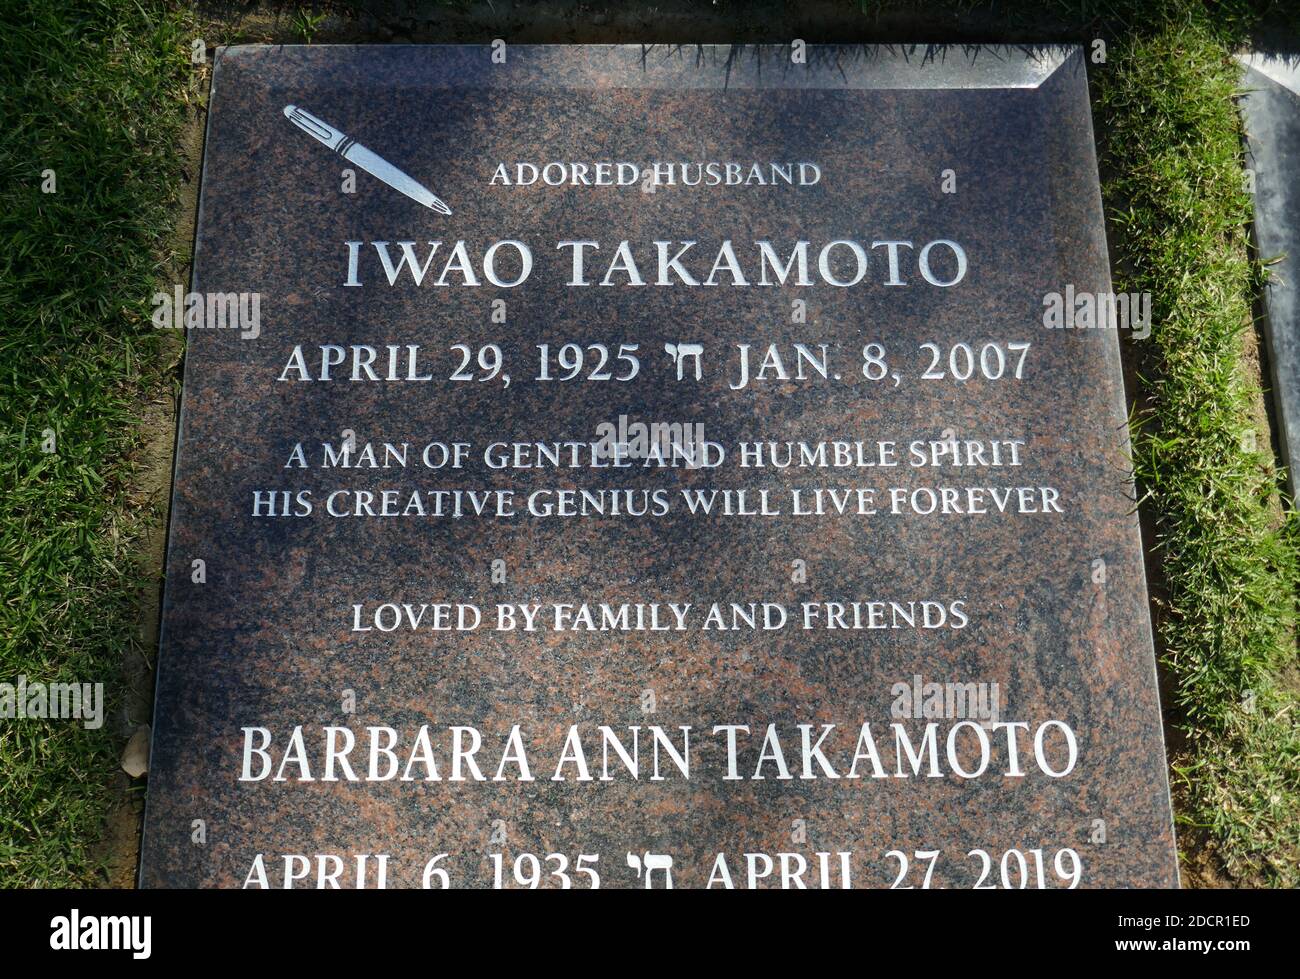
(178, 441)
(1280, 69)
(1269, 115)
(723, 66)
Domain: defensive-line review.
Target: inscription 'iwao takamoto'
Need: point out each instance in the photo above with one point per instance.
(622, 467)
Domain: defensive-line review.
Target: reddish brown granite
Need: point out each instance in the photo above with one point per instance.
(266, 641)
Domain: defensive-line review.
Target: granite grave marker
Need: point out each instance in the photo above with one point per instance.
(653, 467)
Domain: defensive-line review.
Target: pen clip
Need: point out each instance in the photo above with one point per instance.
(308, 123)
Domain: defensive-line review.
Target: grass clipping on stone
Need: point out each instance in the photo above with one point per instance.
(1227, 549)
(94, 92)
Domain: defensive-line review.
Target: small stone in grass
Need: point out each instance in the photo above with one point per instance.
(135, 759)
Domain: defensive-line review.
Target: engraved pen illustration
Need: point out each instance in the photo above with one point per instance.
(369, 161)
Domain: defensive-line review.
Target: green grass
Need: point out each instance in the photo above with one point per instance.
(95, 92)
(1229, 561)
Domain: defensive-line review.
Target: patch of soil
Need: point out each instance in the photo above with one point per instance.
(148, 501)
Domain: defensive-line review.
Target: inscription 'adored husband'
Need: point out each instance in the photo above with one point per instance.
(657, 174)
